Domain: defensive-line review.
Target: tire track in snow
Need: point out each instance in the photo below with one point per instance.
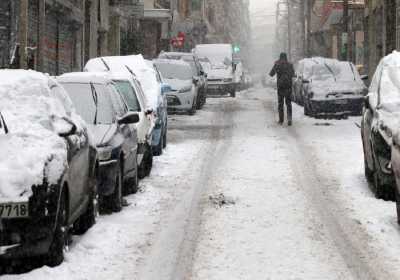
(351, 243)
(172, 253)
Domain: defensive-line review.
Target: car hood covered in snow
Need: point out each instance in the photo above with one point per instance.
(326, 89)
(144, 73)
(220, 72)
(31, 150)
(177, 85)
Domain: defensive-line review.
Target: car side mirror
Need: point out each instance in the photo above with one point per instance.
(149, 111)
(195, 80)
(165, 88)
(366, 102)
(129, 118)
(202, 73)
(364, 77)
(64, 127)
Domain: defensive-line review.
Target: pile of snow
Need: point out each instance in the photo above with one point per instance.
(31, 143)
(137, 64)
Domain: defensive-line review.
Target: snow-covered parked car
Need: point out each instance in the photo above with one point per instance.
(152, 88)
(330, 87)
(199, 75)
(47, 168)
(380, 130)
(184, 90)
(221, 71)
(100, 104)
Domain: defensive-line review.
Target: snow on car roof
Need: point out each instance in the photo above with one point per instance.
(137, 64)
(85, 77)
(175, 55)
(171, 62)
(29, 110)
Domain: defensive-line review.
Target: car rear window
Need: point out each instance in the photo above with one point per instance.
(81, 96)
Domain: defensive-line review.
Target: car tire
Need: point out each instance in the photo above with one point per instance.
(88, 219)
(131, 185)
(165, 139)
(369, 174)
(114, 201)
(147, 163)
(55, 256)
(158, 150)
(233, 93)
(397, 198)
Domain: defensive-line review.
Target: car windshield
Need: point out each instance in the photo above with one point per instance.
(192, 64)
(321, 72)
(175, 71)
(82, 97)
(129, 93)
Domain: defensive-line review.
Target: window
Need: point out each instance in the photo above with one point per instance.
(129, 94)
(117, 100)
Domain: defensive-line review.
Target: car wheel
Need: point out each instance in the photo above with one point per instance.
(149, 162)
(131, 185)
(233, 93)
(397, 197)
(114, 201)
(378, 187)
(165, 139)
(307, 110)
(60, 241)
(157, 151)
(369, 174)
(199, 103)
(88, 219)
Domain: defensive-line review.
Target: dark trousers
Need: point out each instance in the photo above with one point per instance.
(285, 96)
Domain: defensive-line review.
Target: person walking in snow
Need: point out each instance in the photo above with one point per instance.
(285, 72)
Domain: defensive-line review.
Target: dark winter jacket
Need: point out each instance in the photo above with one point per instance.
(285, 72)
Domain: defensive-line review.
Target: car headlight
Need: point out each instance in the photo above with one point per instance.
(104, 153)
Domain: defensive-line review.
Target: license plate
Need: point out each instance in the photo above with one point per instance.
(341, 101)
(14, 210)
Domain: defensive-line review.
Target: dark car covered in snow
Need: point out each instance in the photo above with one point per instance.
(98, 101)
(47, 168)
(328, 87)
(379, 128)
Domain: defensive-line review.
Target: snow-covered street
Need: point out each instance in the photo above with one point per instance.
(237, 196)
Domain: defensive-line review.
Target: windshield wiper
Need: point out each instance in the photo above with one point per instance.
(95, 100)
(4, 123)
(330, 70)
(130, 71)
(105, 64)
(352, 70)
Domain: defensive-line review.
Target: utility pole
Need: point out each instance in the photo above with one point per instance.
(308, 31)
(303, 28)
(23, 33)
(346, 45)
(289, 8)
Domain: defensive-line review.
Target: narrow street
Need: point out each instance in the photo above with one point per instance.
(239, 197)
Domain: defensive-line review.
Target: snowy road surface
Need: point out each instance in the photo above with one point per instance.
(238, 197)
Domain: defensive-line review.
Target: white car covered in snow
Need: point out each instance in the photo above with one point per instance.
(150, 85)
(47, 168)
(184, 90)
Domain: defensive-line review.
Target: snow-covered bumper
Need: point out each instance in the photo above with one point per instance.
(180, 101)
(336, 106)
(220, 87)
(32, 235)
